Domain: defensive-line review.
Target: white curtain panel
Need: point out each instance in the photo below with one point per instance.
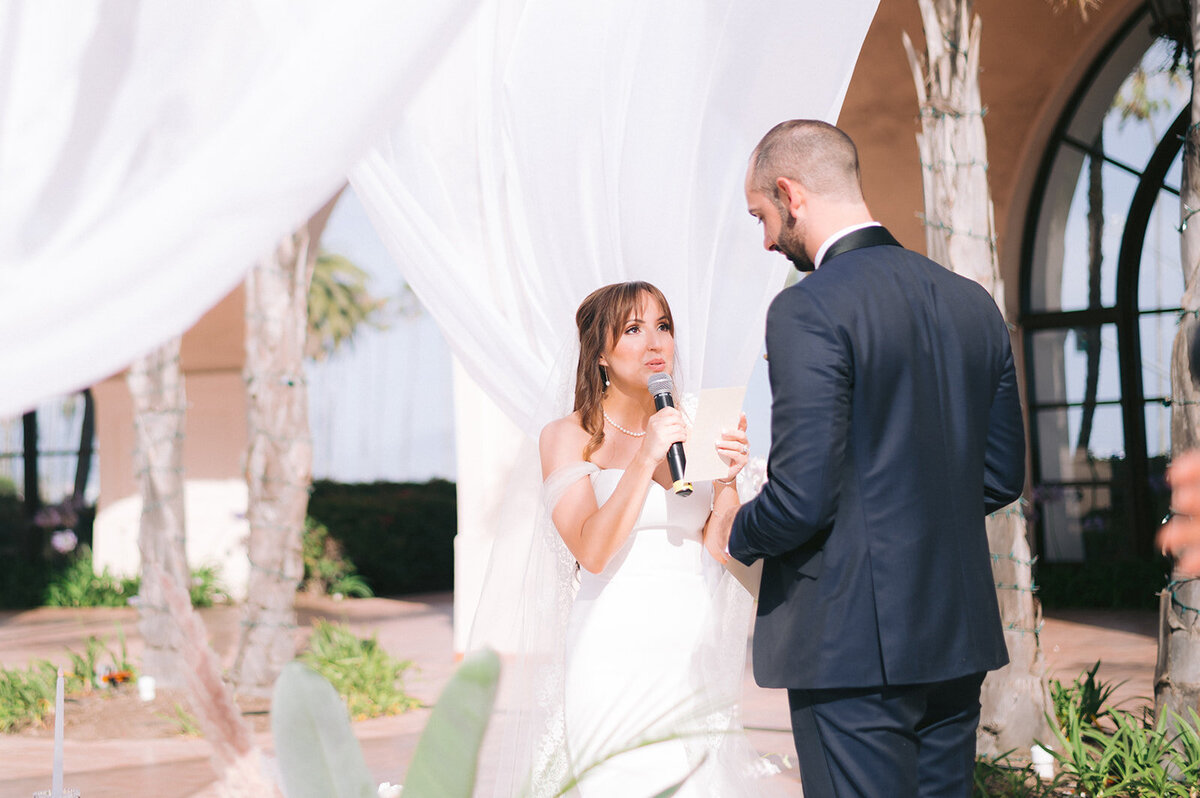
(151, 151)
(560, 146)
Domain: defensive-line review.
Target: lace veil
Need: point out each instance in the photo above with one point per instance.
(525, 753)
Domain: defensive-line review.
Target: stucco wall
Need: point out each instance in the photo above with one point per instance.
(1032, 59)
(212, 355)
(214, 442)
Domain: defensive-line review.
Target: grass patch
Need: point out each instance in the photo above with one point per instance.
(367, 678)
(185, 723)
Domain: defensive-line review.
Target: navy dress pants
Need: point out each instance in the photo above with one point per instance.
(888, 742)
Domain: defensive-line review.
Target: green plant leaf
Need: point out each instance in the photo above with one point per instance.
(317, 752)
(447, 755)
(674, 788)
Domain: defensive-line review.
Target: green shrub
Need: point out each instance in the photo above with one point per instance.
(26, 695)
(326, 571)
(23, 542)
(205, 587)
(14, 525)
(365, 676)
(1087, 695)
(79, 586)
(1102, 752)
(1131, 757)
(400, 536)
(1128, 584)
(12, 512)
(25, 585)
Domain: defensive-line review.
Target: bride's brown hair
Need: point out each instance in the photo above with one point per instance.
(601, 318)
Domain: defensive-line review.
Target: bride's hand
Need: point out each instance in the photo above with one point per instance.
(663, 429)
(734, 449)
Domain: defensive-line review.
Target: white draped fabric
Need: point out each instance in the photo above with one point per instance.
(151, 151)
(562, 146)
(526, 152)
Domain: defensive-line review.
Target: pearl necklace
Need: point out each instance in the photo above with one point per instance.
(631, 434)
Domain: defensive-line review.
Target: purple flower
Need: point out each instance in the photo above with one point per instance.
(56, 516)
(64, 541)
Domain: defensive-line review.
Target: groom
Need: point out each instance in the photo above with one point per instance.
(895, 428)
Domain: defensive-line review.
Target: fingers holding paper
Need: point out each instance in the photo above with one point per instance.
(733, 447)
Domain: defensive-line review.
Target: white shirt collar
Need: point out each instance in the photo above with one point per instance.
(829, 242)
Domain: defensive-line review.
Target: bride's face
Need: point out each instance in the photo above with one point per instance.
(644, 346)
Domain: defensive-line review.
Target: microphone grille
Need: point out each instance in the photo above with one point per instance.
(660, 383)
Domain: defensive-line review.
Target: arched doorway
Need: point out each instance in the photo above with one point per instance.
(1100, 288)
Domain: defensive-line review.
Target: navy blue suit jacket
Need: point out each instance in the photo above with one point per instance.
(895, 428)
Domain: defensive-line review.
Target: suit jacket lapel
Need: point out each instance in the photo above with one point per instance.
(866, 237)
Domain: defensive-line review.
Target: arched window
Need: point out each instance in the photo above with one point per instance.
(1101, 284)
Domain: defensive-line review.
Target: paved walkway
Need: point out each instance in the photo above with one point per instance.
(418, 628)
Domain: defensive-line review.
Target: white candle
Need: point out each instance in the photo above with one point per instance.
(56, 785)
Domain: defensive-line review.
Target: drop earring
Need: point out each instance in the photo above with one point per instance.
(604, 376)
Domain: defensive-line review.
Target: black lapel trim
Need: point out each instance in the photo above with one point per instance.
(873, 236)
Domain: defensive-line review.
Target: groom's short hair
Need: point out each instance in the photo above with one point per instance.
(813, 153)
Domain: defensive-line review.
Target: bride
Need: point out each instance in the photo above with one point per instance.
(654, 641)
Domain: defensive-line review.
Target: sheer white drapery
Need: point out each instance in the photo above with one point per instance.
(562, 146)
(149, 152)
(559, 147)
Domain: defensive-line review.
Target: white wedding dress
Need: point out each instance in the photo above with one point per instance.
(652, 647)
(641, 662)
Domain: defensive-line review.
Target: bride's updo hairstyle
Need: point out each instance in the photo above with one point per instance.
(601, 319)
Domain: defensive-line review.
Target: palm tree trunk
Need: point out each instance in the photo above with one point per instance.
(960, 233)
(159, 405)
(279, 453)
(1177, 675)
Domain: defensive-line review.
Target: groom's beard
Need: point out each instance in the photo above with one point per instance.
(791, 244)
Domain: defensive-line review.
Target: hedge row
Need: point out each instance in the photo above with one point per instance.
(400, 536)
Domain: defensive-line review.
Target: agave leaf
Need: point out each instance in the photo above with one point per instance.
(318, 755)
(674, 788)
(445, 762)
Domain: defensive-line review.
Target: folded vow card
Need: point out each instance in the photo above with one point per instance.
(718, 409)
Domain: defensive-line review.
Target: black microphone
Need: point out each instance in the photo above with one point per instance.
(660, 386)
